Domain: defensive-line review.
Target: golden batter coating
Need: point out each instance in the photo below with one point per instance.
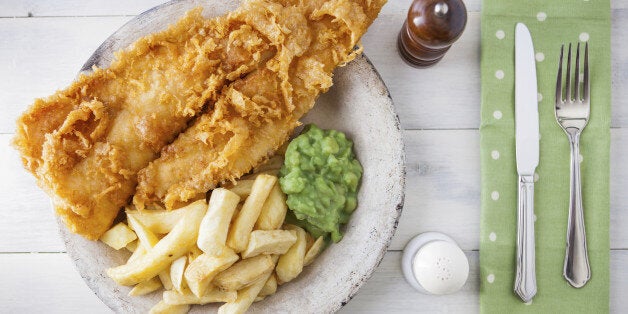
(255, 115)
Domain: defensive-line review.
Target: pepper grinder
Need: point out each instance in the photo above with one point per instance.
(431, 28)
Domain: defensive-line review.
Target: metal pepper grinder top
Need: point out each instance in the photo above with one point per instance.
(429, 31)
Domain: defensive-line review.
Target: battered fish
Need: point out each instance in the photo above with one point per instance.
(85, 144)
(255, 115)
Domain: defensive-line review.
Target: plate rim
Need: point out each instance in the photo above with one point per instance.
(400, 165)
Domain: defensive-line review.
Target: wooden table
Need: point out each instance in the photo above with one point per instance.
(44, 43)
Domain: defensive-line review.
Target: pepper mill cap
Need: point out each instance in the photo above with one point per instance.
(436, 24)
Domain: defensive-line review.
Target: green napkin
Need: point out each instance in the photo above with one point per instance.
(550, 23)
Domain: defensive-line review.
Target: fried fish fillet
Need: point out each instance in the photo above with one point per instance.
(255, 115)
(85, 144)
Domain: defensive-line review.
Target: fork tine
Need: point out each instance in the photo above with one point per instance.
(576, 94)
(559, 79)
(586, 72)
(568, 77)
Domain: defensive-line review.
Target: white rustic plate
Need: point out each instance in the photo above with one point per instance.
(358, 104)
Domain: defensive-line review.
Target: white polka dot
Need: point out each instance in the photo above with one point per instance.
(490, 278)
(500, 34)
(539, 97)
(494, 195)
(580, 158)
(539, 136)
(535, 217)
(529, 302)
(536, 177)
(541, 16)
(497, 114)
(581, 77)
(499, 74)
(539, 56)
(492, 237)
(495, 154)
(584, 36)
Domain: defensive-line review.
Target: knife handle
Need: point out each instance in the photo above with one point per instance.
(525, 280)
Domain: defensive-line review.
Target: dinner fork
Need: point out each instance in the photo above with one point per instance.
(572, 113)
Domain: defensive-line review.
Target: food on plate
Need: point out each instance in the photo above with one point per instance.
(245, 273)
(186, 109)
(290, 264)
(244, 221)
(195, 275)
(186, 297)
(174, 245)
(314, 250)
(94, 136)
(204, 268)
(269, 242)
(85, 144)
(321, 176)
(165, 308)
(119, 236)
(212, 236)
(255, 115)
(146, 287)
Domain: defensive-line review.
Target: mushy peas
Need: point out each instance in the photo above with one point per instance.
(321, 176)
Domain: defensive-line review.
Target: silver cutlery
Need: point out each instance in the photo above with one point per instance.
(527, 151)
(572, 113)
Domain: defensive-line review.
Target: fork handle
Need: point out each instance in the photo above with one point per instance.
(525, 280)
(576, 269)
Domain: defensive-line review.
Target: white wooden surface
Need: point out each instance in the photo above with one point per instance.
(44, 43)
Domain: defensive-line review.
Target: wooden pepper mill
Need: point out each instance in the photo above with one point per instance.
(430, 29)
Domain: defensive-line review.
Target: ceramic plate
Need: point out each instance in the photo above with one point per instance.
(358, 104)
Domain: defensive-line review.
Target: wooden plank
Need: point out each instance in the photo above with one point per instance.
(44, 54)
(443, 181)
(27, 222)
(44, 283)
(387, 291)
(39, 56)
(34, 8)
(30, 8)
(419, 94)
(52, 285)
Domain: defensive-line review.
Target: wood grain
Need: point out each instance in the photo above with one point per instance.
(37, 289)
(44, 52)
(30, 45)
(443, 181)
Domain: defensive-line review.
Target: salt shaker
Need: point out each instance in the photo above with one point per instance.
(433, 263)
(429, 31)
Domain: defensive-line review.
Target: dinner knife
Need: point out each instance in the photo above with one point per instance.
(527, 151)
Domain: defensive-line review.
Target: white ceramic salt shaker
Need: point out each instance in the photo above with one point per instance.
(433, 263)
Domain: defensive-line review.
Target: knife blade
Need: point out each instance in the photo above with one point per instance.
(527, 155)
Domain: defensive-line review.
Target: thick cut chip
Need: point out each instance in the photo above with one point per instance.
(317, 247)
(269, 242)
(244, 273)
(274, 210)
(176, 272)
(159, 221)
(241, 187)
(118, 236)
(270, 287)
(290, 264)
(245, 298)
(212, 235)
(204, 268)
(172, 246)
(187, 297)
(164, 308)
(146, 287)
(245, 220)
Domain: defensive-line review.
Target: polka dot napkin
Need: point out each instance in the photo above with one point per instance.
(551, 23)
